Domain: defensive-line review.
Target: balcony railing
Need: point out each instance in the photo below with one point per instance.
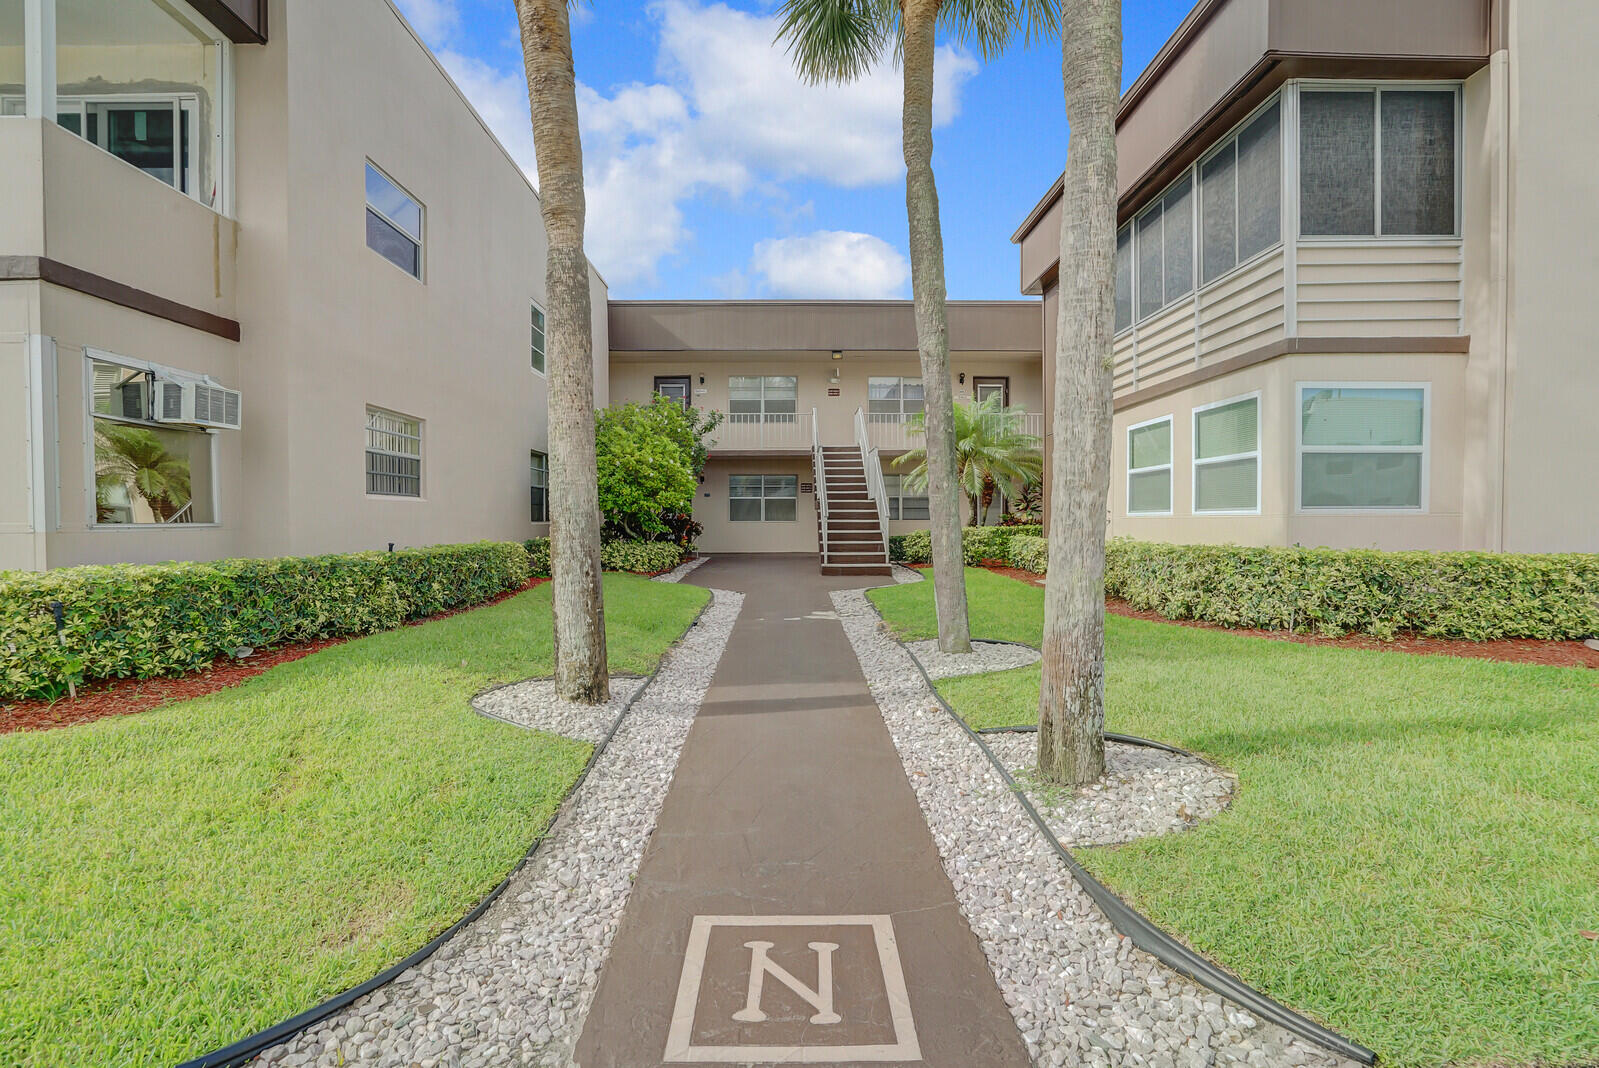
(896, 433)
(771, 430)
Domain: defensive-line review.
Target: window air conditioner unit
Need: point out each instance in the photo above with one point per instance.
(197, 404)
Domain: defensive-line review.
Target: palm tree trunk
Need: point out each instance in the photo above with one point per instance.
(1071, 701)
(581, 671)
(932, 327)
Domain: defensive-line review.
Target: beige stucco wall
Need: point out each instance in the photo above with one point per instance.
(1280, 522)
(21, 546)
(1551, 492)
(724, 536)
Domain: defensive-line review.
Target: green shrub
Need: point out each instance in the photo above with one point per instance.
(1029, 553)
(992, 543)
(640, 557)
(142, 621)
(915, 547)
(1475, 596)
(538, 557)
(896, 548)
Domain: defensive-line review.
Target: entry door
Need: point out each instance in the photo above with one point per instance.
(674, 387)
(984, 388)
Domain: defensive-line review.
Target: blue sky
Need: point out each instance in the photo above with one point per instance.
(713, 172)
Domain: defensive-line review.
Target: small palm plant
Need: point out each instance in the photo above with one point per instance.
(993, 454)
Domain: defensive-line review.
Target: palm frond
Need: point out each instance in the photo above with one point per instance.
(988, 26)
(834, 40)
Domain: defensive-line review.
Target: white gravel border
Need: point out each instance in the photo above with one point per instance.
(514, 987)
(681, 571)
(905, 575)
(984, 658)
(1079, 992)
(534, 705)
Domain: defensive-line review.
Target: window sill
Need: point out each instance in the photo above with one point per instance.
(93, 527)
(394, 497)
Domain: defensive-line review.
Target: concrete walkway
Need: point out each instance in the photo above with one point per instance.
(791, 907)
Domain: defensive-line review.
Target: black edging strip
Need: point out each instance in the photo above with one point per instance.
(1133, 924)
(247, 1049)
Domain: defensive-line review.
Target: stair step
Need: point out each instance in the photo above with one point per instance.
(857, 569)
(849, 524)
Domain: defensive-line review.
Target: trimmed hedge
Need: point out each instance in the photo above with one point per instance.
(977, 544)
(1029, 553)
(143, 621)
(639, 557)
(1474, 596)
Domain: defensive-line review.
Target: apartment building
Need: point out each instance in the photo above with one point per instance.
(1352, 281)
(818, 398)
(268, 285)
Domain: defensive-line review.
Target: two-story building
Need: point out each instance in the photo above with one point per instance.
(1351, 277)
(268, 285)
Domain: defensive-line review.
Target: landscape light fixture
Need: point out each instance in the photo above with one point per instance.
(837, 355)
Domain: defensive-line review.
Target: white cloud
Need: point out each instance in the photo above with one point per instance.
(831, 264)
(726, 116)
(433, 19)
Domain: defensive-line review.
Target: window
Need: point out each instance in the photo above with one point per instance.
(393, 223)
(145, 473)
(540, 480)
(675, 388)
(763, 498)
(1378, 162)
(538, 339)
(893, 400)
(1362, 447)
(1124, 278)
(393, 454)
(1240, 190)
(903, 504)
(1227, 456)
(757, 399)
(1165, 252)
(1149, 467)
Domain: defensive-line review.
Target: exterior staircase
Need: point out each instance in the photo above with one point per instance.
(851, 532)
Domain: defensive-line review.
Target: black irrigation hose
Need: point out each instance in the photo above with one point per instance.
(247, 1049)
(1138, 927)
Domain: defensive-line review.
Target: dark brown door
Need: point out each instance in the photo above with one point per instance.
(675, 387)
(983, 388)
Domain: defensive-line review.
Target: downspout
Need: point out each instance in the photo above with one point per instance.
(1502, 284)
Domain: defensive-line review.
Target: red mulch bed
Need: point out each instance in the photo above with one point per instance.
(122, 697)
(1509, 651)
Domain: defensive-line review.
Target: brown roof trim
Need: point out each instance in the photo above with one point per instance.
(1186, 30)
(44, 269)
(1296, 346)
(244, 21)
(717, 303)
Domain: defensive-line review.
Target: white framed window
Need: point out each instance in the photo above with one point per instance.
(762, 498)
(762, 398)
(1362, 446)
(1149, 467)
(539, 338)
(394, 220)
(903, 504)
(144, 473)
(1240, 193)
(539, 479)
(894, 399)
(1227, 457)
(393, 454)
(1164, 249)
(1379, 161)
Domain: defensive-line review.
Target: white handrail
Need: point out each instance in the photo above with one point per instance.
(875, 488)
(819, 471)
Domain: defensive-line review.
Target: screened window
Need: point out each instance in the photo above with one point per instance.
(903, 504)
(393, 223)
(762, 399)
(1378, 162)
(1165, 250)
(393, 454)
(1124, 278)
(763, 498)
(539, 478)
(1227, 456)
(1149, 468)
(1241, 196)
(893, 400)
(145, 473)
(538, 339)
(1361, 448)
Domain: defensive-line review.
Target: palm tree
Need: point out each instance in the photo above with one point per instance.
(135, 459)
(838, 40)
(1071, 700)
(581, 671)
(992, 453)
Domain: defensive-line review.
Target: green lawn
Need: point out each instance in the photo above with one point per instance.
(173, 881)
(1414, 850)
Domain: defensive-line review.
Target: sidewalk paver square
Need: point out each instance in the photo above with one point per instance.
(792, 990)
